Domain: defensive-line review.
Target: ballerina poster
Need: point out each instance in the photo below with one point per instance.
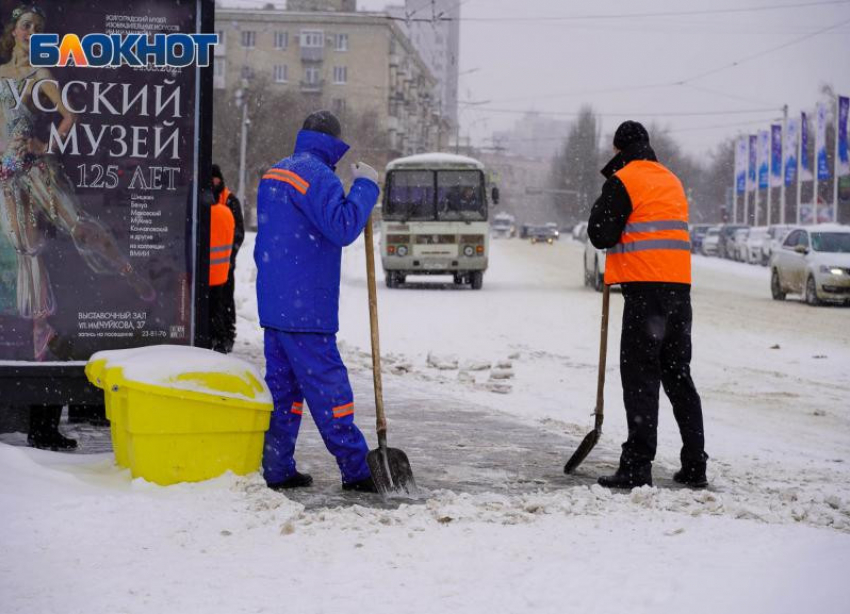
(97, 190)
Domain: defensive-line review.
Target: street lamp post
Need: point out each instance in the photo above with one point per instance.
(243, 145)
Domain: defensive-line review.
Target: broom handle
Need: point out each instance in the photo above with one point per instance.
(603, 355)
(381, 418)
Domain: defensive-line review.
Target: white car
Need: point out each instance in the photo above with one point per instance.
(776, 234)
(753, 247)
(594, 265)
(813, 261)
(711, 241)
(580, 230)
(737, 244)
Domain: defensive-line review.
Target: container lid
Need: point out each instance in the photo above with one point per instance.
(180, 369)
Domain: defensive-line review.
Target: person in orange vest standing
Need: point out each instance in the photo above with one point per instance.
(225, 197)
(222, 228)
(641, 218)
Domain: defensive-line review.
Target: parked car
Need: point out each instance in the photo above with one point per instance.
(724, 241)
(555, 230)
(738, 243)
(580, 230)
(594, 266)
(813, 261)
(709, 244)
(776, 233)
(754, 246)
(541, 234)
(698, 232)
(503, 226)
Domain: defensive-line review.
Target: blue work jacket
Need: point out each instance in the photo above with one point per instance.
(304, 219)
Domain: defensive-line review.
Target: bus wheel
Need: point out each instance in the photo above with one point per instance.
(391, 279)
(476, 279)
(458, 279)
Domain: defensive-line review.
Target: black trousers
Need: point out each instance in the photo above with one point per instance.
(221, 340)
(655, 350)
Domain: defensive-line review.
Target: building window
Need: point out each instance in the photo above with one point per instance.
(249, 39)
(219, 68)
(222, 37)
(247, 72)
(342, 42)
(312, 38)
(311, 75)
(338, 106)
(340, 74)
(281, 73)
(281, 40)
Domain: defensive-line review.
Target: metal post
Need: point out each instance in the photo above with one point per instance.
(837, 117)
(799, 168)
(782, 165)
(243, 146)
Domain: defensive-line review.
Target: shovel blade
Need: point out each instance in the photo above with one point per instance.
(583, 450)
(391, 471)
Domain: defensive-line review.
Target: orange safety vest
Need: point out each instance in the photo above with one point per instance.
(222, 228)
(655, 244)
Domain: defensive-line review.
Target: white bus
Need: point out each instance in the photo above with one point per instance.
(435, 219)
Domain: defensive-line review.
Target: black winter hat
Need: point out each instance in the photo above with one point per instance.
(324, 122)
(629, 133)
(216, 172)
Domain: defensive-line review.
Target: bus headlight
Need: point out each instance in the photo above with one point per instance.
(401, 250)
(469, 251)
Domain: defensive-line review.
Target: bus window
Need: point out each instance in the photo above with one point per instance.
(460, 195)
(411, 196)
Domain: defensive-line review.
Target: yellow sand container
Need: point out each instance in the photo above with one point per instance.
(180, 414)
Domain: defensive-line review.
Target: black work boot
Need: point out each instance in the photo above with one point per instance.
(692, 472)
(44, 429)
(628, 477)
(364, 485)
(299, 480)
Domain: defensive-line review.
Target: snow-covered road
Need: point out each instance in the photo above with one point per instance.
(488, 392)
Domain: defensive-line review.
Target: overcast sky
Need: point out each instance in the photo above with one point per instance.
(534, 56)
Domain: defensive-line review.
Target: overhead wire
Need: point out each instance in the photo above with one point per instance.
(647, 15)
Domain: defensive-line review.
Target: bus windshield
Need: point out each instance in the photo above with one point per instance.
(460, 196)
(411, 196)
(424, 195)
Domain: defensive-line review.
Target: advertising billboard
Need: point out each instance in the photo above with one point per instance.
(99, 170)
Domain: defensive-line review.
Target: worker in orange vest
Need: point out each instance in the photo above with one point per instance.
(222, 229)
(225, 197)
(641, 218)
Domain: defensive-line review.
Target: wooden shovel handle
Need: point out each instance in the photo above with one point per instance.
(373, 324)
(603, 356)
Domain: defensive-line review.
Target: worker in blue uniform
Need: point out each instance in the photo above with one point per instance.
(304, 219)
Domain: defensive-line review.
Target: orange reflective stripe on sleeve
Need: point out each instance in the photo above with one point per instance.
(297, 409)
(343, 410)
(284, 176)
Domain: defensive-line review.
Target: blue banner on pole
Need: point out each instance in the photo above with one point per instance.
(741, 161)
(843, 161)
(752, 162)
(775, 156)
(791, 144)
(805, 167)
(820, 144)
(763, 157)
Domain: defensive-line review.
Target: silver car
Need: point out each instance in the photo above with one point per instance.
(813, 261)
(710, 242)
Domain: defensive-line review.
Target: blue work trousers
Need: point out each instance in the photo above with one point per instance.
(307, 366)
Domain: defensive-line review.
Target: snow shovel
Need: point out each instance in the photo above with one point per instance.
(593, 436)
(389, 466)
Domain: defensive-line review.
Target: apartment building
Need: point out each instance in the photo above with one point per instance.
(349, 61)
(433, 26)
